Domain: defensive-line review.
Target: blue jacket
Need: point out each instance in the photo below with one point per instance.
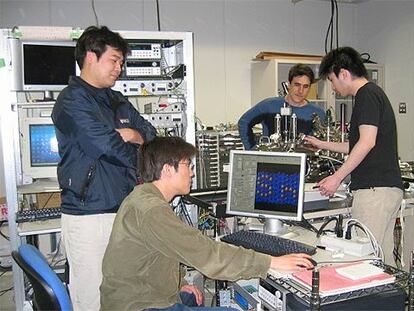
(97, 169)
(265, 111)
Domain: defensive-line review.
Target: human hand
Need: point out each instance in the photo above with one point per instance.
(314, 141)
(291, 262)
(192, 289)
(129, 135)
(329, 185)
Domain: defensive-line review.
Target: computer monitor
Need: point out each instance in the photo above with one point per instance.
(43, 65)
(266, 185)
(39, 148)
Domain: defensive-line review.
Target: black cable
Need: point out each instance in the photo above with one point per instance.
(332, 31)
(304, 223)
(158, 15)
(320, 231)
(94, 13)
(348, 230)
(2, 292)
(1, 233)
(183, 211)
(367, 59)
(332, 20)
(337, 24)
(328, 31)
(308, 225)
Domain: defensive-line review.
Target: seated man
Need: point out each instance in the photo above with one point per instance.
(141, 266)
(300, 79)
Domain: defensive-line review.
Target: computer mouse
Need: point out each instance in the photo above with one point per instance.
(313, 261)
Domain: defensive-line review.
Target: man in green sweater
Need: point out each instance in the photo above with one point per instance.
(141, 266)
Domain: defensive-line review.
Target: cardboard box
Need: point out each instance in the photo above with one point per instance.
(48, 200)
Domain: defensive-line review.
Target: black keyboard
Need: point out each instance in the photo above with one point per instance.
(268, 244)
(38, 214)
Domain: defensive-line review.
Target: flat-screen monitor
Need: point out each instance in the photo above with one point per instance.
(267, 185)
(43, 65)
(39, 148)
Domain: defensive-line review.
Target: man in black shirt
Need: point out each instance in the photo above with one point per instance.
(372, 147)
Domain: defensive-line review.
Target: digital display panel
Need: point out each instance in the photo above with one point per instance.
(43, 145)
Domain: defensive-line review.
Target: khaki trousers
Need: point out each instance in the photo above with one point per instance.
(85, 239)
(377, 209)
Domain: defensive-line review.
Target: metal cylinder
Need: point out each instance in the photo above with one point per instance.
(278, 120)
(315, 300)
(343, 121)
(294, 126)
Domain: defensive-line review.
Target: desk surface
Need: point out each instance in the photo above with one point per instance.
(38, 227)
(321, 256)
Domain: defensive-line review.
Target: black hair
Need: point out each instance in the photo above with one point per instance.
(301, 70)
(343, 58)
(162, 150)
(95, 39)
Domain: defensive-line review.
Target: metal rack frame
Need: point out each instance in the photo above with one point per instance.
(402, 282)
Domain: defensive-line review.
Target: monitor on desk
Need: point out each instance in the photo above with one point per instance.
(39, 148)
(268, 185)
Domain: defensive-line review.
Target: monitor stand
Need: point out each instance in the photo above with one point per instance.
(276, 227)
(48, 96)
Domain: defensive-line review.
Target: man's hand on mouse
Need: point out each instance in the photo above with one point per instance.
(291, 262)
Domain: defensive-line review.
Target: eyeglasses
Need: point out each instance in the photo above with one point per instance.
(190, 165)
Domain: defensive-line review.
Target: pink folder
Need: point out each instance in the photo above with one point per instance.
(332, 283)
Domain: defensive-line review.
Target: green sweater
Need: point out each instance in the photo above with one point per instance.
(141, 266)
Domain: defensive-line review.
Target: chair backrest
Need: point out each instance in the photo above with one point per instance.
(49, 291)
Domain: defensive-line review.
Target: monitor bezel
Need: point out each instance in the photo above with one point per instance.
(44, 86)
(297, 216)
(28, 170)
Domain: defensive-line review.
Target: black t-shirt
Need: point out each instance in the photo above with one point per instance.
(380, 167)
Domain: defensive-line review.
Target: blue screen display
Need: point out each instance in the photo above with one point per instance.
(43, 145)
(277, 187)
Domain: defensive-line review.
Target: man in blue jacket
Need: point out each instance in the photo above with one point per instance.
(98, 131)
(300, 79)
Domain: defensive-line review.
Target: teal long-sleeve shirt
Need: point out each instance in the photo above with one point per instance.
(264, 113)
(148, 243)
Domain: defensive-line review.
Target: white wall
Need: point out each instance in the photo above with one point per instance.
(385, 29)
(229, 33)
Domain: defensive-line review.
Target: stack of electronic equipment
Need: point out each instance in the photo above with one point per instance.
(214, 147)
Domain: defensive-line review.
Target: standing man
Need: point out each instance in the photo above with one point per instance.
(372, 147)
(300, 79)
(141, 267)
(98, 132)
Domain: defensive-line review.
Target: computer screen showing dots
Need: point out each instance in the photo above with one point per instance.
(268, 185)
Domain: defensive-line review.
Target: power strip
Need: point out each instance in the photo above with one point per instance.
(357, 247)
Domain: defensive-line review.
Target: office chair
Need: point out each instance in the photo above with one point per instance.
(49, 291)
